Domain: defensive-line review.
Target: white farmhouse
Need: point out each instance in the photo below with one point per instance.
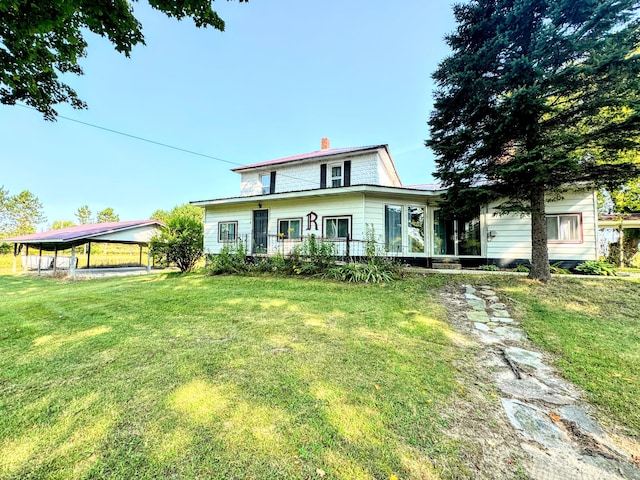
(340, 194)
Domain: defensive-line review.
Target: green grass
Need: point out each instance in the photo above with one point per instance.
(223, 377)
(592, 328)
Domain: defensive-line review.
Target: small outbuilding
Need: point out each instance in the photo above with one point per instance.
(135, 232)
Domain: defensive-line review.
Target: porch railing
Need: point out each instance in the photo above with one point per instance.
(343, 247)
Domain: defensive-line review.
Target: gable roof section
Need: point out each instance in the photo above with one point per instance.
(65, 237)
(311, 155)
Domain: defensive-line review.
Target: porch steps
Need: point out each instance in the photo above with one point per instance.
(447, 265)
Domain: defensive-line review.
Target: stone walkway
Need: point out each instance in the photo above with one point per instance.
(563, 439)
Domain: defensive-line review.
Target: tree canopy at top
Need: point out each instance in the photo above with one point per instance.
(537, 95)
(41, 39)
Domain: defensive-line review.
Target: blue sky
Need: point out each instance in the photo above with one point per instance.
(283, 75)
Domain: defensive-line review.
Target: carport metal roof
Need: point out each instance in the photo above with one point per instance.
(619, 220)
(132, 232)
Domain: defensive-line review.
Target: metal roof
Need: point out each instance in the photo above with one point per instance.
(619, 220)
(310, 155)
(81, 233)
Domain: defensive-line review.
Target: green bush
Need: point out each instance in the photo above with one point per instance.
(522, 268)
(231, 259)
(596, 268)
(557, 269)
(180, 242)
(274, 264)
(489, 268)
(312, 257)
(370, 272)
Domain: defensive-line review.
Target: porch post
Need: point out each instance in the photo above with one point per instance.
(140, 260)
(148, 258)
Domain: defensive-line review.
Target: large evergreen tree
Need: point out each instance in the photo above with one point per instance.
(537, 96)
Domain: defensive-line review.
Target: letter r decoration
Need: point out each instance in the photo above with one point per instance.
(312, 218)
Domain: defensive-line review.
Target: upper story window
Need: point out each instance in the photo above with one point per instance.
(265, 181)
(336, 175)
(564, 228)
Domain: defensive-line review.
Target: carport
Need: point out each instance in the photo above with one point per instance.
(620, 221)
(135, 232)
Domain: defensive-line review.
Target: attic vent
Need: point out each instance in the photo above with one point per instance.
(324, 144)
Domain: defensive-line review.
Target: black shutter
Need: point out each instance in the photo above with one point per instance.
(272, 183)
(323, 175)
(347, 173)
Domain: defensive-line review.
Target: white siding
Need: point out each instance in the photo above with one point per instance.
(281, 209)
(512, 238)
(365, 170)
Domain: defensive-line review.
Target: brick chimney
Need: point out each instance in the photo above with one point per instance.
(324, 144)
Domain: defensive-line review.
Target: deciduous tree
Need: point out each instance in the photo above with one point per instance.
(180, 241)
(107, 215)
(538, 95)
(187, 209)
(41, 39)
(84, 215)
(60, 224)
(23, 212)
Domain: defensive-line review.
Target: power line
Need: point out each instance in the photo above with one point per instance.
(154, 142)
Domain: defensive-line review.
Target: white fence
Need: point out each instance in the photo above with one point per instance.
(30, 262)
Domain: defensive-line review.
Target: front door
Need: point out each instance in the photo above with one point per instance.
(260, 228)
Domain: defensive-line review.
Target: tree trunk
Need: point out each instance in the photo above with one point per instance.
(539, 250)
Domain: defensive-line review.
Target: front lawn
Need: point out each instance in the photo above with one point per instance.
(201, 377)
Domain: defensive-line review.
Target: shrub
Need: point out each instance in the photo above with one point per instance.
(231, 259)
(596, 268)
(522, 268)
(557, 269)
(489, 268)
(312, 257)
(361, 272)
(180, 241)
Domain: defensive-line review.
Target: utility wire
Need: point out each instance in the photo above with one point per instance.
(154, 142)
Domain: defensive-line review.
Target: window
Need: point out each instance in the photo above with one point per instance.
(336, 175)
(564, 228)
(337, 227)
(393, 228)
(265, 181)
(227, 232)
(289, 228)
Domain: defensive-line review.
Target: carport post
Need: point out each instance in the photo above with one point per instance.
(55, 259)
(140, 260)
(148, 259)
(15, 257)
(39, 259)
(72, 265)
